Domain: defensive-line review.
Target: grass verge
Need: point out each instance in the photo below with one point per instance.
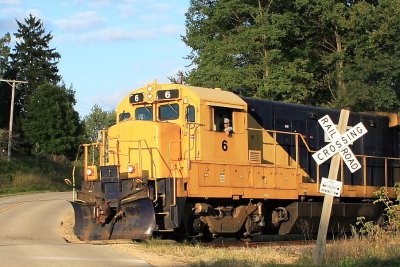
(33, 174)
(372, 244)
(198, 255)
(352, 252)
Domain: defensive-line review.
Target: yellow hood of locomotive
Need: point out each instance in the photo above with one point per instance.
(146, 146)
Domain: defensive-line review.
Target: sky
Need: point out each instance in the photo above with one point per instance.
(108, 47)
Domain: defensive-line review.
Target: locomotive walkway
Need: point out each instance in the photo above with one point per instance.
(30, 235)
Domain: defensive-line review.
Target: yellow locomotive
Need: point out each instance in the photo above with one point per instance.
(205, 162)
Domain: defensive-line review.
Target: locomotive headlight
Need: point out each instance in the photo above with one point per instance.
(149, 96)
(89, 172)
(149, 88)
(131, 169)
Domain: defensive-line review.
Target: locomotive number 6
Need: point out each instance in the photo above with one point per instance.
(224, 145)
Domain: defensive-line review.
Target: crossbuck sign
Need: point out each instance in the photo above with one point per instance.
(339, 143)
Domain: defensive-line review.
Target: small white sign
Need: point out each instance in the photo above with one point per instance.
(330, 187)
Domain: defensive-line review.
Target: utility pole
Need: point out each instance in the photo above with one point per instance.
(12, 84)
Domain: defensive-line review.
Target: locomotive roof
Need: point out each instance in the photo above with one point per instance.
(218, 97)
(205, 96)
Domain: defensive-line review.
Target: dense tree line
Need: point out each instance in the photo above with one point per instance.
(343, 53)
(45, 121)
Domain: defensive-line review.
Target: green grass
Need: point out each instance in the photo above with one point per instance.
(197, 255)
(356, 251)
(350, 252)
(372, 244)
(23, 174)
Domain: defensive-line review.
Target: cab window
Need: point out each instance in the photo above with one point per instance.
(144, 113)
(124, 116)
(221, 114)
(168, 112)
(190, 113)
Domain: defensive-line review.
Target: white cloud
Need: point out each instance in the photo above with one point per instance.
(99, 3)
(79, 21)
(127, 10)
(11, 12)
(18, 13)
(173, 29)
(115, 34)
(7, 25)
(144, 9)
(110, 101)
(154, 17)
(163, 7)
(109, 35)
(91, 3)
(10, 2)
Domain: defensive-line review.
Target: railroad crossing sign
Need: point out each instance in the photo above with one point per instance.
(339, 143)
(337, 148)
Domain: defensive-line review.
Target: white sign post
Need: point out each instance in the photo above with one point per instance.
(336, 149)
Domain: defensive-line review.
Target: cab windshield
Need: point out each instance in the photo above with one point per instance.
(144, 113)
(168, 112)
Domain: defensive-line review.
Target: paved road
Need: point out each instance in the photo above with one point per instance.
(29, 235)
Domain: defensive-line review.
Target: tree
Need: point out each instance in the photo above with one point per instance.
(32, 60)
(324, 29)
(51, 125)
(5, 91)
(3, 142)
(97, 120)
(179, 79)
(372, 69)
(251, 47)
(4, 53)
(326, 53)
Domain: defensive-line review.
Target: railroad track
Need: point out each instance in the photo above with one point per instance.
(217, 243)
(255, 244)
(260, 241)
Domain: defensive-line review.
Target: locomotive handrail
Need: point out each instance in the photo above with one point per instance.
(150, 149)
(173, 204)
(188, 158)
(139, 142)
(364, 157)
(188, 126)
(308, 147)
(283, 132)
